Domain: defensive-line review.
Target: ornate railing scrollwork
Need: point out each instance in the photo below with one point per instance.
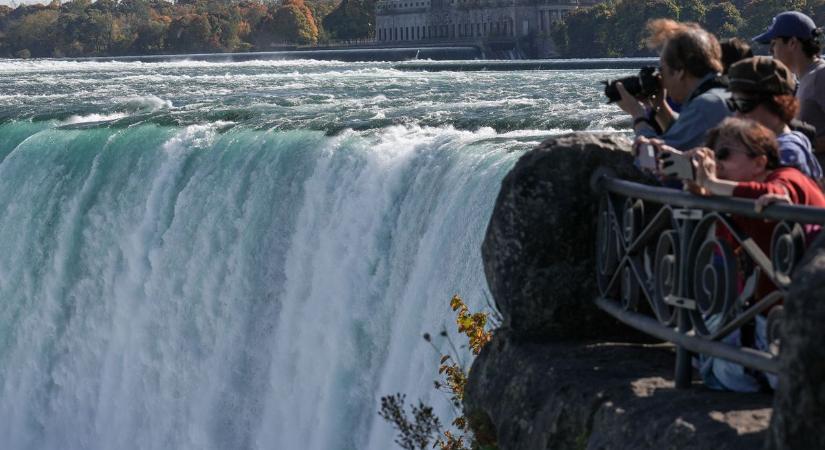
(680, 266)
(787, 247)
(666, 270)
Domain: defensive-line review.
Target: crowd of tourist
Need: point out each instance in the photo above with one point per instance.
(748, 126)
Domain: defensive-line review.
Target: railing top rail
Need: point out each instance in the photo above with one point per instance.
(738, 206)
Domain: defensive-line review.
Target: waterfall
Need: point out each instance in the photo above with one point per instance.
(213, 286)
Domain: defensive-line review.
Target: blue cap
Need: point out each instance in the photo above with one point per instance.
(788, 24)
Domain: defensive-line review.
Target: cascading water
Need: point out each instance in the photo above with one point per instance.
(190, 266)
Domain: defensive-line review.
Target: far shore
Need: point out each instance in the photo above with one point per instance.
(426, 58)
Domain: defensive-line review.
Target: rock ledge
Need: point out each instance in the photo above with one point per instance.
(574, 395)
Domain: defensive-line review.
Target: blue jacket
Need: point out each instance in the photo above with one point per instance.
(698, 115)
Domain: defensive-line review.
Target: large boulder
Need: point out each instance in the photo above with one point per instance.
(539, 249)
(799, 401)
(525, 395)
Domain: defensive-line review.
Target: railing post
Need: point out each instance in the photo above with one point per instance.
(684, 369)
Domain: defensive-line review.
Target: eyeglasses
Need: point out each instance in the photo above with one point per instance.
(743, 105)
(724, 153)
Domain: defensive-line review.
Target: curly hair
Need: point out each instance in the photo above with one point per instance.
(685, 46)
(812, 46)
(784, 106)
(757, 138)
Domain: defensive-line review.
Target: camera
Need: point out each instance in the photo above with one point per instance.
(641, 86)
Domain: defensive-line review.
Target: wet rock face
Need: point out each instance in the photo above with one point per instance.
(799, 401)
(539, 248)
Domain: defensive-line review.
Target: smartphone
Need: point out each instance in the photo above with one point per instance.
(647, 157)
(677, 165)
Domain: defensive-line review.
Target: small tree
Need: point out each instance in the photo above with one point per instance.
(424, 427)
(414, 434)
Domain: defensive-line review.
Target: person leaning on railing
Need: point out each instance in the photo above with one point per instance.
(762, 89)
(690, 75)
(742, 160)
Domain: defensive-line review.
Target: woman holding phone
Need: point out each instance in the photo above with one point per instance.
(742, 160)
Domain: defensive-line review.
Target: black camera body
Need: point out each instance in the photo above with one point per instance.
(641, 86)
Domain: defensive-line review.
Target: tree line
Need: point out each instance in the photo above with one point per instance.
(617, 27)
(138, 27)
(613, 28)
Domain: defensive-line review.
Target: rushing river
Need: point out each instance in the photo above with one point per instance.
(210, 255)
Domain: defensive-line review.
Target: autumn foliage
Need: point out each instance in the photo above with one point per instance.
(418, 431)
(137, 27)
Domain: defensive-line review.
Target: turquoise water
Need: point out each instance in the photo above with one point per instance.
(203, 255)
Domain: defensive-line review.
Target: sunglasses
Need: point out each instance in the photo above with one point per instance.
(724, 153)
(743, 105)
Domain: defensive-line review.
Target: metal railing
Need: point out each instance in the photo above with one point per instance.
(679, 267)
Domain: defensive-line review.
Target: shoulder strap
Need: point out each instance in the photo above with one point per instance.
(711, 83)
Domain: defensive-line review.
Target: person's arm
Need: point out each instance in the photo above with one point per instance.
(641, 125)
(664, 114)
(698, 116)
(819, 146)
(715, 186)
(766, 200)
(814, 108)
(704, 164)
(755, 189)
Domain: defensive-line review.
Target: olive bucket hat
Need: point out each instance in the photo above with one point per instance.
(761, 75)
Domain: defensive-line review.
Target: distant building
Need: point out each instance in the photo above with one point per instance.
(484, 21)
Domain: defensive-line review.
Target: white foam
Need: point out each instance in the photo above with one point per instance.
(147, 103)
(93, 118)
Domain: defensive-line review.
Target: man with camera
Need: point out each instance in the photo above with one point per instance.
(690, 75)
(795, 41)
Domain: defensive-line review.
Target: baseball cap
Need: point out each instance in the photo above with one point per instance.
(788, 24)
(761, 75)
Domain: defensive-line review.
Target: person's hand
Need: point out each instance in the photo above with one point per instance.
(769, 199)
(694, 188)
(629, 104)
(704, 166)
(665, 153)
(638, 142)
(664, 113)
